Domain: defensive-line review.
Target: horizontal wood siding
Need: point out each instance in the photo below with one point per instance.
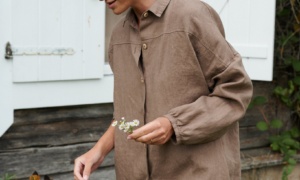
(50, 160)
(57, 126)
(49, 139)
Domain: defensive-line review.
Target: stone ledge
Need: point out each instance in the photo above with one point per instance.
(261, 158)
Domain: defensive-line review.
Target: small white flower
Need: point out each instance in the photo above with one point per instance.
(126, 127)
(122, 126)
(135, 122)
(122, 122)
(114, 123)
(130, 123)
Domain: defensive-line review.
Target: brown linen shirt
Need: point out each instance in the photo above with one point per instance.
(189, 74)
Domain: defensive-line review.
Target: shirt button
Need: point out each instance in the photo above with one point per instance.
(145, 46)
(142, 80)
(145, 14)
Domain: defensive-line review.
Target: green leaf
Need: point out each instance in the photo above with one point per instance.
(292, 161)
(275, 147)
(274, 138)
(286, 134)
(7, 177)
(251, 105)
(295, 132)
(259, 100)
(278, 90)
(262, 126)
(296, 80)
(288, 141)
(291, 152)
(284, 93)
(296, 145)
(276, 123)
(286, 100)
(290, 169)
(296, 65)
(291, 86)
(284, 173)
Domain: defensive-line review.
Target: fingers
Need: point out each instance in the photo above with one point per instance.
(148, 138)
(78, 168)
(87, 163)
(82, 171)
(144, 130)
(156, 132)
(144, 133)
(155, 141)
(87, 171)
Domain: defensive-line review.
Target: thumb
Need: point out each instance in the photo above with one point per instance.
(87, 171)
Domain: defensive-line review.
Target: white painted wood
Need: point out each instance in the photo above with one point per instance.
(47, 81)
(252, 50)
(49, 25)
(78, 24)
(63, 93)
(6, 94)
(24, 34)
(249, 27)
(94, 30)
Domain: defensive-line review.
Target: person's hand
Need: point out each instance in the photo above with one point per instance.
(87, 163)
(156, 132)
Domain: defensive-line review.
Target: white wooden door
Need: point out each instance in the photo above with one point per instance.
(249, 27)
(58, 55)
(56, 39)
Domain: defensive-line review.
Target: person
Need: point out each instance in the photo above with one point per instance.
(175, 72)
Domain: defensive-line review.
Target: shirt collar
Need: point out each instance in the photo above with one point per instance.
(157, 8)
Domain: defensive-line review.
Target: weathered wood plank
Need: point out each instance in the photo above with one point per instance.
(103, 173)
(53, 160)
(273, 109)
(62, 133)
(46, 115)
(269, 173)
(251, 137)
(251, 118)
(107, 173)
(54, 133)
(263, 88)
(89, 130)
(261, 157)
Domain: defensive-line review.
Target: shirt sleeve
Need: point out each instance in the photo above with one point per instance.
(209, 117)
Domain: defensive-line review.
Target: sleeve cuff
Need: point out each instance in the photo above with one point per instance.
(176, 138)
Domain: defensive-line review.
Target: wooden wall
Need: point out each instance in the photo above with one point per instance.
(48, 140)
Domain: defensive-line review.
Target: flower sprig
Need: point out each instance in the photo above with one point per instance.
(126, 127)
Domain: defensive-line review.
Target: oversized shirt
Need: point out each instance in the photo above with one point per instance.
(177, 64)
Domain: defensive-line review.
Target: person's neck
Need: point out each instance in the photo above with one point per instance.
(141, 6)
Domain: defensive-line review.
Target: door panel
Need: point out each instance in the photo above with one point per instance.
(47, 75)
(49, 25)
(249, 27)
